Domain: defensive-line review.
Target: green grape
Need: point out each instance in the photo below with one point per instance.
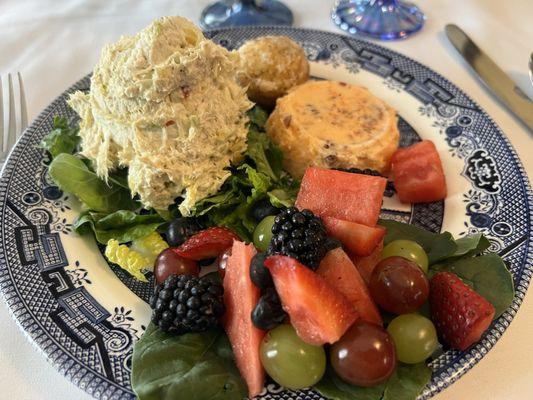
(290, 361)
(263, 233)
(407, 249)
(415, 337)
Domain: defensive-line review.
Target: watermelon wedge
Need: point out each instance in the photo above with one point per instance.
(360, 240)
(365, 265)
(338, 270)
(418, 174)
(319, 313)
(240, 298)
(342, 195)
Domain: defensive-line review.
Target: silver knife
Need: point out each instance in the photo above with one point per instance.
(492, 75)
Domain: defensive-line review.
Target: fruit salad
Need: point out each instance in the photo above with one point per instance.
(325, 296)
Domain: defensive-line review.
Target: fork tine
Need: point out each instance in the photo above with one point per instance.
(12, 129)
(23, 109)
(1, 119)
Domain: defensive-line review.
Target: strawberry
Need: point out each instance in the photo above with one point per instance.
(208, 243)
(360, 240)
(460, 314)
(319, 313)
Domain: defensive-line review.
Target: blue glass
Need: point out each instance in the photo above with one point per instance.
(245, 12)
(379, 19)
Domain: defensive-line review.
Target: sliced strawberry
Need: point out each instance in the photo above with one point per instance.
(460, 314)
(365, 265)
(319, 313)
(358, 239)
(338, 270)
(208, 243)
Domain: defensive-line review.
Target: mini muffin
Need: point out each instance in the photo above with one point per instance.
(333, 125)
(270, 66)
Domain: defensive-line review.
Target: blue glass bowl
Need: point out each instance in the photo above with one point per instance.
(379, 19)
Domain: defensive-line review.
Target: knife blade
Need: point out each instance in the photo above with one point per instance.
(492, 76)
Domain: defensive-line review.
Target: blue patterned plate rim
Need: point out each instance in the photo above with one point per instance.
(104, 388)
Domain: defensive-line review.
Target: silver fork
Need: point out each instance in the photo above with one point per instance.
(13, 114)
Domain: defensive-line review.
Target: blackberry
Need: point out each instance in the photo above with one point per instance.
(185, 303)
(332, 243)
(259, 274)
(264, 208)
(366, 171)
(389, 190)
(181, 229)
(300, 235)
(268, 312)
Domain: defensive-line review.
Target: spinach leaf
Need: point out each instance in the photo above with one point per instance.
(62, 139)
(486, 274)
(72, 175)
(194, 366)
(407, 381)
(405, 384)
(438, 246)
(332, 387)
(123, 225)
(471, 245)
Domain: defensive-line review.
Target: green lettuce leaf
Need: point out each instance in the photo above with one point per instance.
(268, 158)
(194, 366)
(123, 225)
(486, 274)
(62, 139)
(72, 175)
(258, 117)
(260, 177)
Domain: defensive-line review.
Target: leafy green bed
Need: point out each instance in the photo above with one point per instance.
(111, 212)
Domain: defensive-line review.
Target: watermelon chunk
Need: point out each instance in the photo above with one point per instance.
(319, 313)
(342, 195)
(359, 239)
(338, 270)
(240, 298)
(418, 174)
(365, 265)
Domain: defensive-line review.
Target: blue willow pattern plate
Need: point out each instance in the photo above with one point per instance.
(85, 315)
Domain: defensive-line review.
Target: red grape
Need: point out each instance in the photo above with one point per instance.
(222, 260)
(398, 285)
(365, 355)
(169, 263)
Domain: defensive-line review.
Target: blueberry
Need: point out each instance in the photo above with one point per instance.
(181, 229)
(268, 312)
(263, 209)
(259, 274)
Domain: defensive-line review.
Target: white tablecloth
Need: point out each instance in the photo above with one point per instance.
(53, 43)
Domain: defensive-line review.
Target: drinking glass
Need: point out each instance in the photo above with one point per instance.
(379, 19)
(245, 12)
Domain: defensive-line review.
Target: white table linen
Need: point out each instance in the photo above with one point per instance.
(53, 43)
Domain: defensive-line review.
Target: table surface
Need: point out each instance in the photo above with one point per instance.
(54, 43)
